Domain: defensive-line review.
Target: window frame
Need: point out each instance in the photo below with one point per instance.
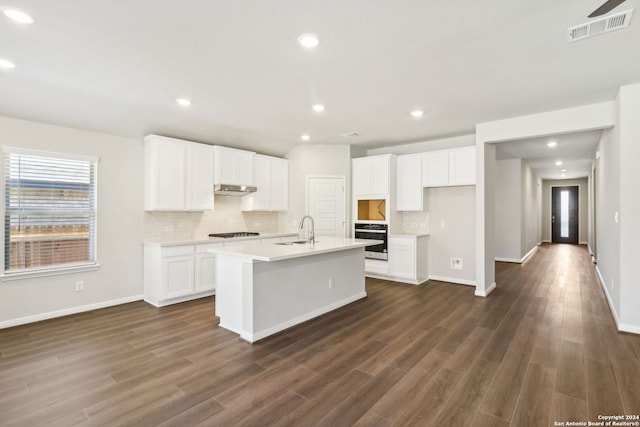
(58, 269)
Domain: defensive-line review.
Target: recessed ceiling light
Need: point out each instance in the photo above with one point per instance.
(305, 137)
(309, 40)
(417, 113)
(6, 64)
(563, 175)
(563, 170)
(183, 102)
(18, 16)
(559, 163)
(552, 144)
(318, 108)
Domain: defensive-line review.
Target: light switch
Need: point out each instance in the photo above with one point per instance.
(616, 217)
(442, 224)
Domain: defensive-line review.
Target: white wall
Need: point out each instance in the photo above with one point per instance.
(314, 160)
(583, 207)
(629, 98)
(508, 215)
(456, 207)
(607, 188)
(120, 207)
(530, 236)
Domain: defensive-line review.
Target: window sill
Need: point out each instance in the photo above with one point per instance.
(46, 273)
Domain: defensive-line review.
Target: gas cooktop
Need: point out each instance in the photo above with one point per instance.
(234, 234)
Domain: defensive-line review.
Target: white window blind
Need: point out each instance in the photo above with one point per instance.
(50, 211)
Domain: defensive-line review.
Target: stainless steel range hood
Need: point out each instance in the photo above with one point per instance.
(233, 190)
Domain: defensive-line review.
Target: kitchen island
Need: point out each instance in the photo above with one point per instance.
(264, 289)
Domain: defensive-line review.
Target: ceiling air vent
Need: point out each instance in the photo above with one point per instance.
(600, 26)
(350, 134)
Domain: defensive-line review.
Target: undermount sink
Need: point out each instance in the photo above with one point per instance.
(293, 242)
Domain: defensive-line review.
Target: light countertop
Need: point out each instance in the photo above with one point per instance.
(271, 252)
(231, 240)
(408, 235)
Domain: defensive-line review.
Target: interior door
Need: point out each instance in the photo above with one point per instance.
(326, 204)
(564, 214)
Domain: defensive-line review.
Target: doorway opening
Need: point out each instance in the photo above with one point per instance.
(564, 214)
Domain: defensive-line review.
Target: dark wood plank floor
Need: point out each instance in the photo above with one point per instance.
(542, 348)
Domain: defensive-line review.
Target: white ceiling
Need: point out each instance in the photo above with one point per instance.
(117, 66)
(576, 151)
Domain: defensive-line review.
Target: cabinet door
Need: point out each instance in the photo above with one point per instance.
(244, 168)
(177, 276)
(380, 175)
(226, 166)
(409, 183)
(205, 272)
(199, 187)
(259, 200)
(462, 166)
(435, 169)
(279, 184)
(402, 258)
(164, 175)
(361, 172)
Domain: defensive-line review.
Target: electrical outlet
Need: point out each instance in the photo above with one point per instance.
(456, 263)
(331, 283)
(442, 224)
(79, 286)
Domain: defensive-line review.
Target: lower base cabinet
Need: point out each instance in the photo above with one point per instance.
(407, 260)
(178, 273)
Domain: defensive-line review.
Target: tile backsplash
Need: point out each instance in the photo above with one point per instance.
(415, 222)
(227, 217)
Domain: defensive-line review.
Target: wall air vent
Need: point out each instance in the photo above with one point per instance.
(599, 26)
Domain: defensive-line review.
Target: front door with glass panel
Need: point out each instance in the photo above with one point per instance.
(564, 214)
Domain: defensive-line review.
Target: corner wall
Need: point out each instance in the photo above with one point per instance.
(119, 226)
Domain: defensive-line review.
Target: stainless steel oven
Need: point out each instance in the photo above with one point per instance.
(373, 232)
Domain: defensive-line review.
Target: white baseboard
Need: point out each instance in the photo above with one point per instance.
(584, 243)
(528, 254)
(178, 300)
(253, 337)
(485, 293)
(513, 260)
(546, 241)
(395, 279)
(609, 300)
(68, 311)
(453, 280)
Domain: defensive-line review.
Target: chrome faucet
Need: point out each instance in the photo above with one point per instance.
(312, 238)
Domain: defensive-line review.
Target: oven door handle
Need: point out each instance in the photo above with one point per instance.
(370, 231)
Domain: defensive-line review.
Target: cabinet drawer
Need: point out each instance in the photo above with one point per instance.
(202, 248)
(177, 250)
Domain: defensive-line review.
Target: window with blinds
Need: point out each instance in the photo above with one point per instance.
(50, 210)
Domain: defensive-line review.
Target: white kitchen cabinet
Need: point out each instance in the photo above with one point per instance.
(175, 274)
(199, 173)
(435, 168)
(205, 268)
(233, 166)
(409, 190)
(371, 175)
(462, 166)
(402, 258)
(452, 167)
(178, 175)
(271, 176)
(407, 261)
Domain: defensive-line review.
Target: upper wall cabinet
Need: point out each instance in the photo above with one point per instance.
(462, 166)
(449, 167)
(271, 175)
(409, 194)
(233, 166)
(371, 175)
(178, 175)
